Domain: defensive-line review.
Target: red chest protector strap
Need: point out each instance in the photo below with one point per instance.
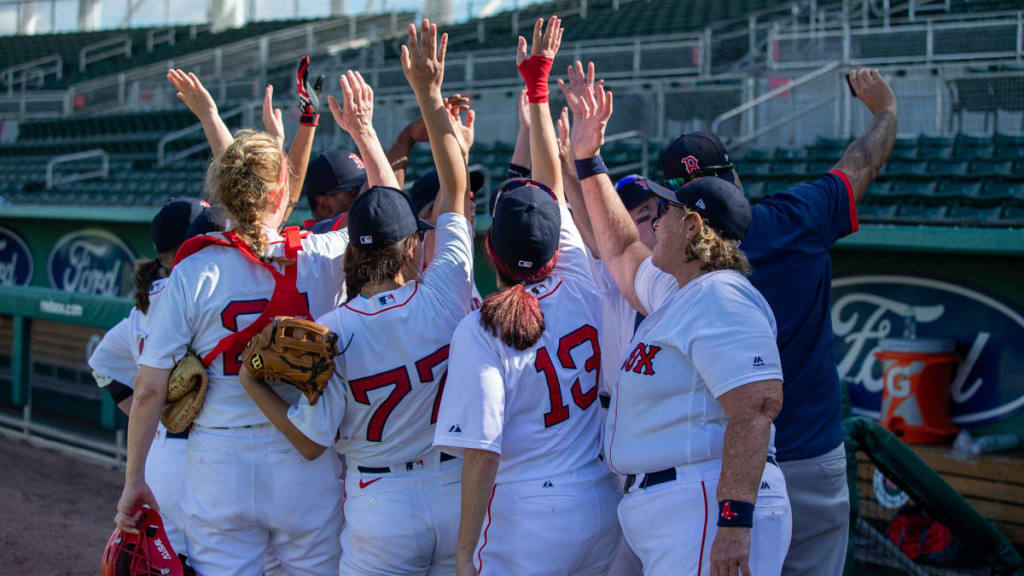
(285, 301)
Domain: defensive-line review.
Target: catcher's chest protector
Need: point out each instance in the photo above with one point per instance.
(286, 299)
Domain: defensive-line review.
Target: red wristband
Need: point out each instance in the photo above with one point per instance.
(535, 70)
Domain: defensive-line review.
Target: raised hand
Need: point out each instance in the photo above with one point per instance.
(544, 45)
(578, 84)
(272, 122)
(873, 90)
(192, 92)
(356, 117)
(588, 134)
(564, 142)
(465, 130)
(423, 58)
(524, 112)
(309, 94)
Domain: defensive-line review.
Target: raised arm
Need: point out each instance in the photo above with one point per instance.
(614, 231)
(192, 92)
(302, 144)
(356, 118)
(571, 184)
(535, 70)
(423, 64)
(398, 154)
(520, 162)
(866, 155)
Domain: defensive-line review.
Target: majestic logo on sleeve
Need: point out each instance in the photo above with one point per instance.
(758, 362)
(691, 164)
(641, 359)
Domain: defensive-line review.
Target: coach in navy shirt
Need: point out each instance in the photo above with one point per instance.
(788, 246)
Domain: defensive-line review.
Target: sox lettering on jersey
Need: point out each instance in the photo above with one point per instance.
(641, 359)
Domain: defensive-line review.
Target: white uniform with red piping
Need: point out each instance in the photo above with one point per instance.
(552, 508)
(699, 342)
(402, 495)
(247, 487)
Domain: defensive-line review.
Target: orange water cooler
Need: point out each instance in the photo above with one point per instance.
(915, 400)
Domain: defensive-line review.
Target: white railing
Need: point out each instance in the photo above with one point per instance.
(102, 172)
(160, 36)
(120, 45)
(165, 159)
(113, 452)
(21, 73)
(34, 104)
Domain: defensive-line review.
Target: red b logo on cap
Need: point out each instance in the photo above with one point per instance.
(691, 164)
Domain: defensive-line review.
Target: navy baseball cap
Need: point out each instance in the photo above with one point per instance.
(634, 189)
(526, 225)
(169, 227)
(425, 190)
(719, 202)
(332, 170)
(694, 155)
(382, 216)
(211, 219)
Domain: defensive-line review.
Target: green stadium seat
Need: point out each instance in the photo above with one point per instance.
(789, 169)
(903, 154)
(790, 154)
(954, 189)
(1008, 140)
(819, 167)
(968, 141)
(970, 214)
(1018, 169)
(975, 152)
(1000, 168)
(1009, 152)
(947, 168)
(877, 212)
(754, 168)
(753, 154)
(922, 212)
(912, 189)
(940, 142)
(879, 189)
(905, 168)
(934, 153)
(1012, 216)
(776, 186)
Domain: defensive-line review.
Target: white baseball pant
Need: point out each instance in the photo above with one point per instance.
(558, 526)
(402, 522)
(247, 489)
(671, 526)
(165, 475)
(625, 563)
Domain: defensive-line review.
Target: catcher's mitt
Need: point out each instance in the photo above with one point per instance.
(296, 351)
(185, 392)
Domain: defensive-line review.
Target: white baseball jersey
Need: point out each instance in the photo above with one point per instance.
(618, 319)
(391, 374)
(700, 341)
(537, 407)
(219, 291)
(117, 356)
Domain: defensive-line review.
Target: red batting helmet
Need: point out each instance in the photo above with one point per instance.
(147, 553)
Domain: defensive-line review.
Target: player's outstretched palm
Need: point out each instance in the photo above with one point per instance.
(192, 92)
(590, 124)
(272, 122)
(465, 128)
(564, 142)
(544, 45)
(873, 90)
(423, 58)
(578, 84)
(356, 117)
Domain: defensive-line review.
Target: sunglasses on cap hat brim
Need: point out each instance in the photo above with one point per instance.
(680, 181)
(515, 184)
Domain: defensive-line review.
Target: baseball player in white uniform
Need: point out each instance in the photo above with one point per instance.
(115, 362)
(402, 494)
(709, 329)
(521, 402)
(245, 486)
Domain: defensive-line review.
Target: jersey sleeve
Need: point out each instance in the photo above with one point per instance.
(472, 412)
(112, 360)
(573, 258)
(330, 250)
(653, 285)
(170, 327)
(826, 206)
(729, 337)
(450, 273)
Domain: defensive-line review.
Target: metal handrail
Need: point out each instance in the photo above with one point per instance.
(103, 172)
(8, 73)
(159, 36)
(771, 94)
(120, 44)
(163, 159)
(785, 120)
(632, 166)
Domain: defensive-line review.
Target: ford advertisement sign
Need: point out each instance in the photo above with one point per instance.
(15, 259)
(989, 334)
(91, 261)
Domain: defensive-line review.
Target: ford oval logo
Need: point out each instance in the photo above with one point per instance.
(91, 261)
(989, 334)
(15, 259)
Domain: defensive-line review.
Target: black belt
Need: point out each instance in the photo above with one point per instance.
(605, 399)
(408, 466)
(179, 435)
(662, 476)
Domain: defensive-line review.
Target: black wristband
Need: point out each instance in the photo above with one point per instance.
(735, 513)
(590, 167)
(517, 171)
(309, 119)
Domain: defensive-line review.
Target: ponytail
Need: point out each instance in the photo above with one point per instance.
(513, 314)
(146, 272)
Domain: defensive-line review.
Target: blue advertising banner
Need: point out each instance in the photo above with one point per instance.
(15, 259)
(91, 261)
(989, 334)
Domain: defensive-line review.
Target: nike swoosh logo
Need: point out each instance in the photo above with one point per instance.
(365, 484)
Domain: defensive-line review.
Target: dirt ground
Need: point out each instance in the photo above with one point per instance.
(57, 511)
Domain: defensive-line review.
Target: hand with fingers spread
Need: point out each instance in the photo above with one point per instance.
(576, 90)
(590, 124)
(564, 142)
(309, 94)
(134, 494)
(465, 130)
(272, 122)
(192, 92)
(873, 90)
(356, 114)
(536, 68)
(423, 59)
